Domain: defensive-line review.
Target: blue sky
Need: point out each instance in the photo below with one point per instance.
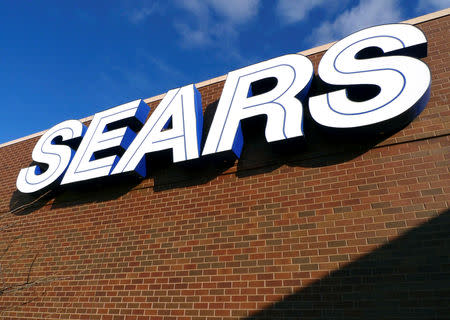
(62, 60)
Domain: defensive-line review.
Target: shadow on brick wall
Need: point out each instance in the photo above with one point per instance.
(22, 204)
(318, 148)
(63, 196)
(408, 278)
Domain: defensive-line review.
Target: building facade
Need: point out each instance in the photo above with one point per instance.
(353, 227)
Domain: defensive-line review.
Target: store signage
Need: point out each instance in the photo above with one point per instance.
(403, 80)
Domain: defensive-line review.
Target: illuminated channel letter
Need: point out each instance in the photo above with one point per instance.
(404, 82)
(293, 74)
(99, 137)
(182, 107)
(56, 156)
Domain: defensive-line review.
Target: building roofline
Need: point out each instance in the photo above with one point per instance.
(414, 21)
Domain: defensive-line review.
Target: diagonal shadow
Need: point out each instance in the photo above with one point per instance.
(408, 278)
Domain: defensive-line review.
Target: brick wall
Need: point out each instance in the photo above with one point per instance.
(331, 229)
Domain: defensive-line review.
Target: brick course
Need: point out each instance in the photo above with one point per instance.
(355, 230)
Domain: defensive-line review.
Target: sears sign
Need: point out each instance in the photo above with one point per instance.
(403, 82)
